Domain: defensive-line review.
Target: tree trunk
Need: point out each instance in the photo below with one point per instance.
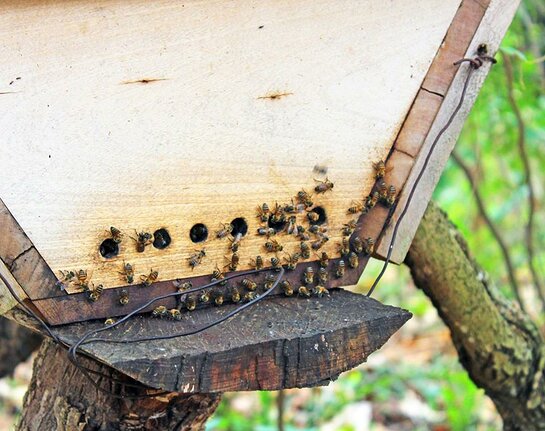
(16, 345)
(498, 345)
(60, 398)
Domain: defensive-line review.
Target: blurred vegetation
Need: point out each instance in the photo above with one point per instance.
(490, 148)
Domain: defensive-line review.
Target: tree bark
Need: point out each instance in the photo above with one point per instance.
(60, 398)
(16, 345)
(497, 343)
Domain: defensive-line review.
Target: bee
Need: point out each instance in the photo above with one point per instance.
(235, 295)
(292, 260)
(353, 260)
(109, 321)
(322, 275)
(277, 216)
(143, 239)
(249, 284)
(344, 247)
(339, 272)
(175, 314)
(94, 294)
(196, 258)
(124, 297)
(356, 207)
(275, 263)
(263, 212)
(308, 275)
(266, 231)
(249, 296)
(235, 242)
(269, 281)
(371, 200)
(128, 272)
(382, 189)
(320, 291)
(380, 169)
(190, 303)
(324, 186)
(369, 246)
(391, 196)
(159, 311)
(147, 280)
(313, 216)
(182, 286)
(324, 259)
(287, 288)
(82, 280)
(290, 208)
(66, 276)
(349, 227)
(317, 229)
(257, 263)
(292, 225)
(218, 298)
(319, 243)
(305, 250)
(302, 235)
(233, 261)
(304, 198)
(60, 285)
(272, 246)
(303, 291)
(218, 275)
(225, 230)
(116, 234)
(204, 297)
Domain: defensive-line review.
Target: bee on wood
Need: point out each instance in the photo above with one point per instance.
(175, 314)
(275, 263)
(124, 297)
(196, 258)
(159, 311)
(128, 272)
(263, 212)
(266, 231)
(357, 245)
(287, 288)
(356, 207)
(320, 291)
(308, 275)
(303, 291)
(143, 239)
(257, 263)
(324, 259)
(218, 275)
(95, 294)
(66, 276)
(371, 200)
(302, 235)
(225, 230)
(116, 234)
(82, 280)
(183, 286)
(319, 243)
(235, 242)
(269, 281)
(380, 169)
(317, 229)
(322, 275)
(277, 216)
(109, 321)
(369, 246)
(218, 298)
(344, 247)
(204, 297)
(305, 250)
(235, 295)
(390, 196)
(304, 199)
(339, 272)
(273, 246)
(291, 261)
(249, 296)
(324, 186)
(348, 228)
(353, 260)
(382, 189)
(147, 280)
(249, 284)
(290, 208)
(292, 225)
(233, 261)
(190, 303)
(313, 216)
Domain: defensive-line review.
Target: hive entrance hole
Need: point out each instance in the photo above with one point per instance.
(198, 233)
(108, 248)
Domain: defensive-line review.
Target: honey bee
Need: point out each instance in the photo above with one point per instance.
(190, 303)
(218, 298)
(305, 250)
(356, 207)
(204, 297)
(225, 230)
(235, 242)
(128, 272)
(235, 295)
(302, 235)
(143, 239)
(308, 275)
(391, 196)
(272, 246)
(319, 243)
(257, 263)
(109, 321)
(344, 247)
(196, 258)
(233, 261)
(277, 216)
(339, 272)
(353, 260)
(269, 281)
(263, 212)
(320, 291)
(357, 245)
(290, 208)
(218, 275)
(124, 297)
(275, 263)
(292, 225)
(313, 216)
(116, 234)
(324, 259)
(82, 280)
(287, 288)
(292, 260)
(322, 275)
(266, 231)
(324, 186)
(95, 294)
(371, 200)
(382, 189)
(303, 291)
(147, 280)
(175, 314)
(380, 169)
(369, 246)
(348, 228)
(317, 229)
(182, 286)
(159, 311)
(66, 276)
(249, 284)
(249, 296)
(304, 198)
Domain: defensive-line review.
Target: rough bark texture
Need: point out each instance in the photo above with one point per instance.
(60, 398)
(498, 345)
(16, 345)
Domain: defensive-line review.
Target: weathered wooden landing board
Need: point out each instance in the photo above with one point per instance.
(278, 343)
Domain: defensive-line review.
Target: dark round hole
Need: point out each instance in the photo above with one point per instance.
(161, 239)
(198, 233)
(109, 248)
(278, 225)
(322, 218)
(239, 226)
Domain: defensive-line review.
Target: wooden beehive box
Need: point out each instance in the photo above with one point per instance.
(179, 116)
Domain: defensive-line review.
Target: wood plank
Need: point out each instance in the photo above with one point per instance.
(7, 301)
